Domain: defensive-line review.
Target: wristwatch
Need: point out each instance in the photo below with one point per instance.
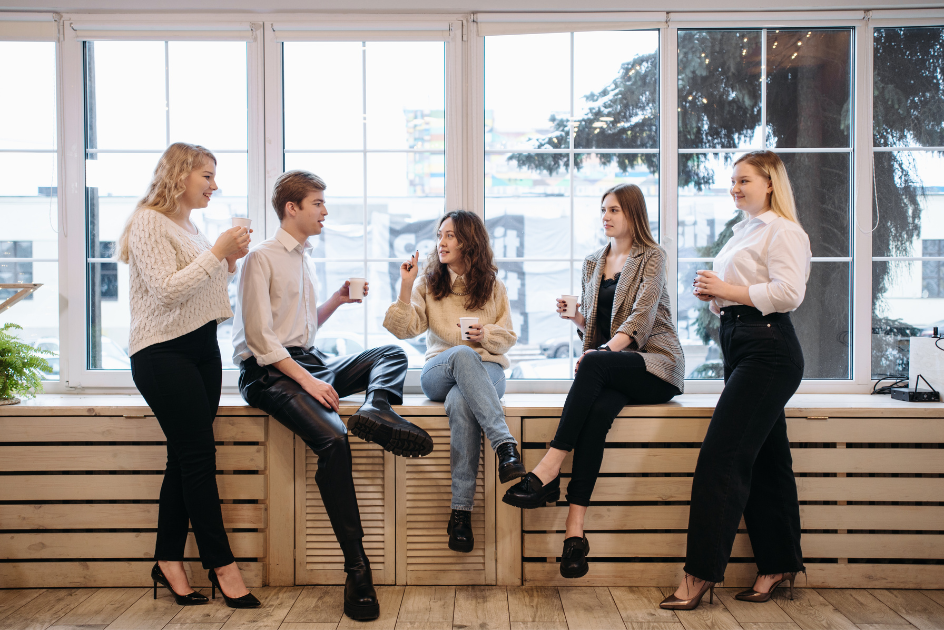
(605, 348)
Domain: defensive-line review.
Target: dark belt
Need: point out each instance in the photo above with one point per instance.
(296, 351)
(744, 313)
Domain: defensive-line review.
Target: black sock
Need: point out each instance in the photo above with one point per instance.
(378, 398)
(354, 555)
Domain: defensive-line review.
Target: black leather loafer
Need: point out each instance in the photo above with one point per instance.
(510, 465)
(574, 557)
(460, 531)
(391, 432)
(530, 493)
(360, 598)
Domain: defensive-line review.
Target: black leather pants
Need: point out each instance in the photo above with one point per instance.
(266, 388)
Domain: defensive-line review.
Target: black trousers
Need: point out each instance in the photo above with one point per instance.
(605, 383)
(180, 379)
(744, 466)
(266, 388)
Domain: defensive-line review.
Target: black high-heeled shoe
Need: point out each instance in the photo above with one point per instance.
(530, 493)
(246, 601)
(190, 599)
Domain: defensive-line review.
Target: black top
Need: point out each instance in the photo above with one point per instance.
(605, 308)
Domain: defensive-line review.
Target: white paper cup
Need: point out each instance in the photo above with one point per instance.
(241, 222)
(571, 309)
(357, 288)
(464, 323)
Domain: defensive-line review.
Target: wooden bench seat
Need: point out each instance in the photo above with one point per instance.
(81, 477)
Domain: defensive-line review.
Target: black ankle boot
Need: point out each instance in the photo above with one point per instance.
(510, 465)
(376, 422)
(574, 557)
(360, 598)
(460, 531)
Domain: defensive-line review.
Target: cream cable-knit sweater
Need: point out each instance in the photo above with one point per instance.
(441, 319)
(177, 284)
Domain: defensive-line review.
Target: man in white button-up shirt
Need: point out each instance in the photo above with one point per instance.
(277, 317)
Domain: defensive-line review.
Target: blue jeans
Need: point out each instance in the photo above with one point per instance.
(471, 389)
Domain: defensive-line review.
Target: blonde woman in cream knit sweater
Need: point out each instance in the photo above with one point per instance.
(460, 280)
(178, 296)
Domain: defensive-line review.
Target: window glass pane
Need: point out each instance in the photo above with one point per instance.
(697, 328)
(116, 181)
(319, 119)
(809, 88)
(616, 90)
(28, 74)
(126, 95)
(706, 212)
(527, 90)
(907, 207)
(406, 194)
(719, 89)
(908, 101)
(343, 333)
(29, 209)
(406, 95)
(384, 281)
(822, 184)
(215, 114)
(38, 314)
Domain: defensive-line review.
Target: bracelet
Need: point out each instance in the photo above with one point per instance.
(605, 348)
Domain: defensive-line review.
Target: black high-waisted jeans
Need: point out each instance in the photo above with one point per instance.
(605, 383)
(180, 379)
(266, 388)
(744, 466)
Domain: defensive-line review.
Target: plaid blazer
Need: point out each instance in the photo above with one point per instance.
(641, 309)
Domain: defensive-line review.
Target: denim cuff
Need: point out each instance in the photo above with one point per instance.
(510, 440)
(462, 508)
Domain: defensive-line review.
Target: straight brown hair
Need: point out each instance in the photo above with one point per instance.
(633, 204)
(294, 186)
(476, 252)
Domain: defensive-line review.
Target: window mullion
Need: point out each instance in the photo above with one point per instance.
(862, 209)
(668, 159)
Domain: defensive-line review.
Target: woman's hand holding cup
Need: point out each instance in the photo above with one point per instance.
(232, 243)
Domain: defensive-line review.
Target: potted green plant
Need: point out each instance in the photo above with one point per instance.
(21, 367)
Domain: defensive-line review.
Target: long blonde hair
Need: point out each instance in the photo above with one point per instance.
(167, 185)
(771, 166)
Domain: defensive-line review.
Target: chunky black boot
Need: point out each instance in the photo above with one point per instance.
(460, 531)
(376, 422)
(574, 557)
(510, 465)
(360, 598)
(530, 493)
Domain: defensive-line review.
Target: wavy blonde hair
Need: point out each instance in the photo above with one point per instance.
(771, 166)
(167, 185)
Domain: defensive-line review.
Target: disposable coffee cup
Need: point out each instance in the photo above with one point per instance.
(357, 288)
(570, 310)
(241, 222)
(464, 325)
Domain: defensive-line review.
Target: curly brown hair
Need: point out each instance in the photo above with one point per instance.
(476, 252)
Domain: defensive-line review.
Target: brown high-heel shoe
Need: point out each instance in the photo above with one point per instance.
(750, 595)
(674, 603)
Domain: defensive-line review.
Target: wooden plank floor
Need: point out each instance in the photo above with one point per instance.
(474, 607)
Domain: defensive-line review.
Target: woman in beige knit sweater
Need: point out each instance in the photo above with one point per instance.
(460, 280)
(178, 296)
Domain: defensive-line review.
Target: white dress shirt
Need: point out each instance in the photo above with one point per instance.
(771, 256)
(276, 301)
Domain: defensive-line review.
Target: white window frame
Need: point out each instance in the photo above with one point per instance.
(465, 133)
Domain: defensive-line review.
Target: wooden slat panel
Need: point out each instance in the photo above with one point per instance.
(280, 554)
(859, 430)
(425, 499)
(814, 545)
(805, 460)
(48, 545)
(105, 574)
(318, 558)
(114, 516)
(617, 517)
(119, 429)
(61, 458)
(116, 487)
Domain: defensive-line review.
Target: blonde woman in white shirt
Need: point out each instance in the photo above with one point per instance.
(744, 466)
(178, 296)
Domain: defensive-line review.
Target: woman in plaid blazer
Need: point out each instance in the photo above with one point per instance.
(632, 355)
